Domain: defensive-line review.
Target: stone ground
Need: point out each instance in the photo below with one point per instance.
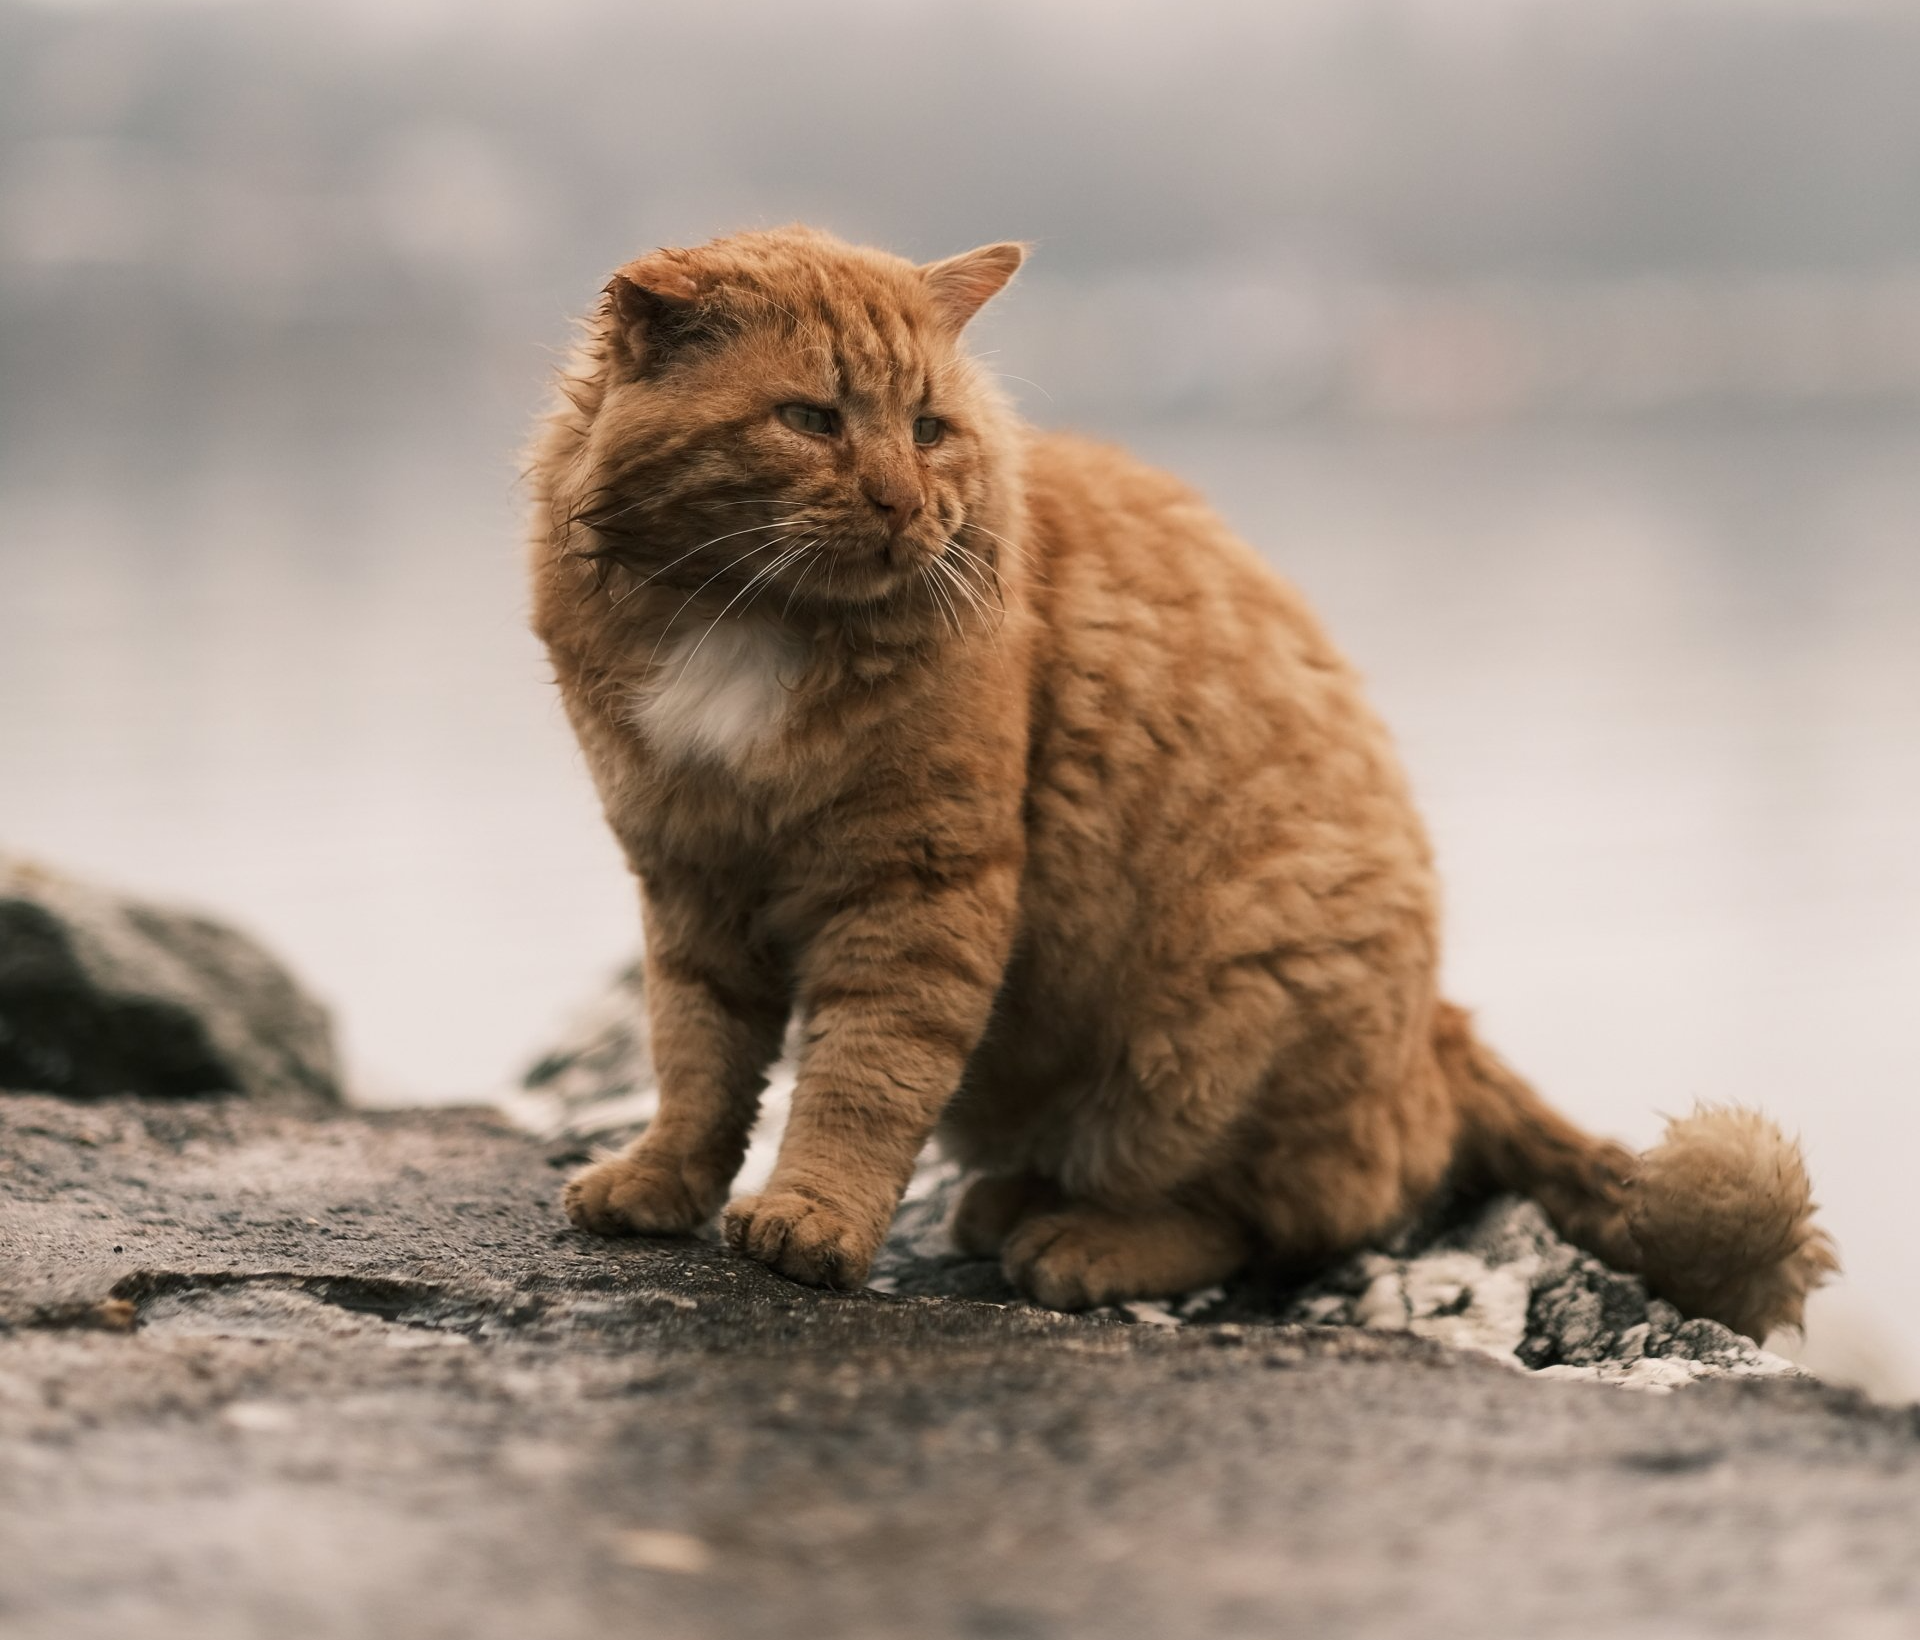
(351, 1375)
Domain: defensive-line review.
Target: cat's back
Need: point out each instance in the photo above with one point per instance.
(1133, 570)
(1179, 678)
(1092, 500)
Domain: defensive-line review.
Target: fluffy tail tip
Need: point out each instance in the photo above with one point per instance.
(1722, 1214)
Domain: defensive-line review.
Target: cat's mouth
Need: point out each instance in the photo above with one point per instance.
(865, 570)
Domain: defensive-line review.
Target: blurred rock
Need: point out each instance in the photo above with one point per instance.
(102, 995)
(1492, 1277)
(597, 1081)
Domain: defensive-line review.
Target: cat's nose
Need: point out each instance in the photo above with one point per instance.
(896, 502)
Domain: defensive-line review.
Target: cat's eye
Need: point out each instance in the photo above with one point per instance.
(927, 429)
(811, 418)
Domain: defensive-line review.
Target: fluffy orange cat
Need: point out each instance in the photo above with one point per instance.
(1049, 809)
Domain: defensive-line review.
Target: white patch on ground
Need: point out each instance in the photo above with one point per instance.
(1195, 1303)
(658, 1551)
(1663, 1374)
(719, 692)
(1453, 1298)
(259, 1417)
(764, 1147)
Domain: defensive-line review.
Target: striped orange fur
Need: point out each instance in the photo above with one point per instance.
(1045, 805)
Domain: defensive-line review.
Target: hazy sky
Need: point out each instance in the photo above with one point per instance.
(335, 204)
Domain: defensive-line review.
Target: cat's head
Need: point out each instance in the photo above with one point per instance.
(779, 414)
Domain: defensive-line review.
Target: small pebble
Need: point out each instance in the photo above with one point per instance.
(657, 1551)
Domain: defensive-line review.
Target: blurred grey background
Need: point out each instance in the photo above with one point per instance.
(1568, 355)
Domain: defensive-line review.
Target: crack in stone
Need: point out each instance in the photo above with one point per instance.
(391, 1300)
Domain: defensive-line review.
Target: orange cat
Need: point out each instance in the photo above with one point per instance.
(1047, 806)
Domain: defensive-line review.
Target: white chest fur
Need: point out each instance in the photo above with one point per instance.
(719, 693)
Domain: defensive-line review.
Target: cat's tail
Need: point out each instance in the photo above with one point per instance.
(1717, 1217)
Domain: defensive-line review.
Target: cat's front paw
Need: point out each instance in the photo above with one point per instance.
(804, 1240)
(640, 1194)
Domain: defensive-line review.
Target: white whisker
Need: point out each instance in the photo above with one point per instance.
(1007, 375)
(715, 541)
(764, 546)
(951, 615)
(813, 563)
(984, 573)
(780, 563)
(1020, 554)
(987, 621)
(758, 576)
(948, 574)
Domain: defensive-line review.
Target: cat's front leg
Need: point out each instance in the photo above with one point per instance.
(895, 993)
(717, 1008)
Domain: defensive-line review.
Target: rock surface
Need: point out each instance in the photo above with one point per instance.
(103, 995)
(352, 1375)
(1492, 1277)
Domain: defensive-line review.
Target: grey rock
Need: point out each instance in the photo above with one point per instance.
(1492, 1277)
(597, 1082)
(101, 995)
(352, 1374)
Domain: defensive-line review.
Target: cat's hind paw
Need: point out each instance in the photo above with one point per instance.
(1082, 1256)
(993, 1207)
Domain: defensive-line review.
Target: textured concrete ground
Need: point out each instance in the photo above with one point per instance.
(350, 1375)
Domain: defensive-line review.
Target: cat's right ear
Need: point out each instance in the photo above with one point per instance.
(652, 306)
(962, 285)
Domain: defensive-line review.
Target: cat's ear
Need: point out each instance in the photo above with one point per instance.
(962, 285)
(653, 306)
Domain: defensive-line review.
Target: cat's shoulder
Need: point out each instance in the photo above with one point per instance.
(1073, 468)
